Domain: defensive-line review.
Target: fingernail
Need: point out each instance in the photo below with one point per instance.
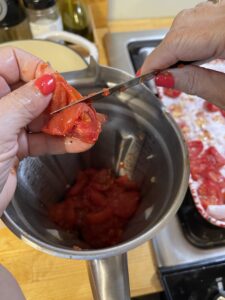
(138, 73)
(45, 84)
(165, 79)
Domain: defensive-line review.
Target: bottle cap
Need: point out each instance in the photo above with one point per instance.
(11, 13)
(38, 4)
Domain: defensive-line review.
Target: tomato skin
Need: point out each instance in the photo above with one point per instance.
(210, 107)
(76, 121)
(80, 121)
(172, 93)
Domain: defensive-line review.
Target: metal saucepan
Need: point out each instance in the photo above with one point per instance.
(140, 133)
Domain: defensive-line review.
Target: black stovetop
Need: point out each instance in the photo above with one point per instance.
(196, 229)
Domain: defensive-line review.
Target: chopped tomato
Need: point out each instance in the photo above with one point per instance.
(102, 180)
(98, 206)
(195, 148)
(210, 107)
(78, 121)
(97, 198)
(99, 217)
(78, 186)
(198, 167)
(64, 214)
(210, 193)
(222, 112)
(172, 93)
(125, 204)
(213, 158)
(215, 176)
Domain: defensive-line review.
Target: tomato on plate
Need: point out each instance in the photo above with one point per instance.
(172, 93)
(210, 107)
(195, 148)
(210, 193)
(213, 158)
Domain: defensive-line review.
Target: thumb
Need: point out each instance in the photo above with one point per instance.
(194, 80)
(24, 104)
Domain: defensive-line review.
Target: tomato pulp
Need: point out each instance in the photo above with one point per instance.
(98, 206)
(80, 121)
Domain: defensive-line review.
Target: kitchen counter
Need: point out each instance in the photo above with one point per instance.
(42, 276)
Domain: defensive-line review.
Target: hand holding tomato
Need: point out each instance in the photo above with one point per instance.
(196, 34)
(22, 101)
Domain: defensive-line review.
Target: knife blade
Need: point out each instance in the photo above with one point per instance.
(105, 92)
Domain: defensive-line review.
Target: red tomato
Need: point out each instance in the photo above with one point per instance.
(195, 148)
(64, 214)
(97, 198)
(210, 107)
(172, 93)
(215, 176)
(125, 204)
(98, 206)
(78, 121)
(198, 168)
(222, 112)
(81, 182)
(213, 158)
(99, 217)
(210, 194)
(102, 180)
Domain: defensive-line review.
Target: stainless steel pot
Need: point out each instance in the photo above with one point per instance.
(139, 132)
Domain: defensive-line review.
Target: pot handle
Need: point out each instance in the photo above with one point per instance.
(69, 37)
(109, 278)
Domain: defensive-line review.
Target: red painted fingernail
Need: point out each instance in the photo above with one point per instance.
(165, 79)
(45, 84)
(138, 73)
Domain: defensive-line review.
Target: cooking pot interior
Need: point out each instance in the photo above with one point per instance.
(139, 134)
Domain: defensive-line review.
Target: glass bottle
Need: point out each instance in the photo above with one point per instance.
(43, 16)
(13, 21)
(75, 17)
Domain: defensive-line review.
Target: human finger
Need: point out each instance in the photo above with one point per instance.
(4, 87)
(17, 64)
(40, 144)
(193, 80)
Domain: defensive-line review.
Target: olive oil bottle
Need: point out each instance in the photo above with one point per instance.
(75, 17)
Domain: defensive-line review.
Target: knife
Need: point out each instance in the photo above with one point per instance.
(105, 92)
